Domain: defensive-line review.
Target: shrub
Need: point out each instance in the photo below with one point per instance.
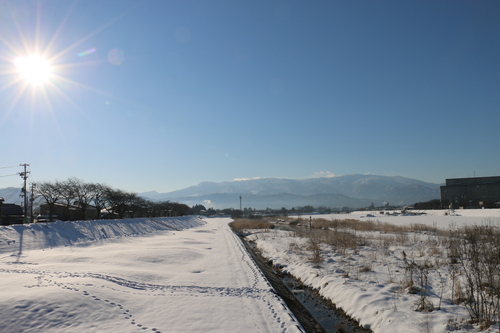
(314, 246)
(480, 263)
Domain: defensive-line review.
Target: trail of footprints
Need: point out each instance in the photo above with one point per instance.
(196, 291)
(125, 312)
(44, 277)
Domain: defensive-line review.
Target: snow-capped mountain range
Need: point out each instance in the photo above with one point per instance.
(350, 190)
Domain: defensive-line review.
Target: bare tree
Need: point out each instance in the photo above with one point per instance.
(100, 200)
(84, 194)
(163, 208)
(51, 193)
(178, 209)
(138, 206)
(68, 194)
(118, 201)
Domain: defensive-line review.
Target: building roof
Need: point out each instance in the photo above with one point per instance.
(11, 209)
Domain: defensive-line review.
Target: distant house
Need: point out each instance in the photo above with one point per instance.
(11, 214)
(68, 212)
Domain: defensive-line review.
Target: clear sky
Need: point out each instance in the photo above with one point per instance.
(161, 95)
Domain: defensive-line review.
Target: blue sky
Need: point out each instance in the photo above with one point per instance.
(161, 95)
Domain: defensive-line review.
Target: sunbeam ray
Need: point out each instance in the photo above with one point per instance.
(84, 86)
(61, 25)
(79, 42)
(61, 93)
(53, 114)
(8, 72)
(22, 37)
(10, 47)
(13, 82)
(12, 105)
(80, 64)
(37, 26)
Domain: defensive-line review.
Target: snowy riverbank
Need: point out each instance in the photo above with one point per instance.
(371, 282)
(179, 275)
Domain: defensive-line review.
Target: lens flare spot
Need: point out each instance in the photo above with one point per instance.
(89, 51)
(116, 57)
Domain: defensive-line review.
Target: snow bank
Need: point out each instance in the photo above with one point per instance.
(46, 235)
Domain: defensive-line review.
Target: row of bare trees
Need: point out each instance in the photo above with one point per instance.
(78, 196)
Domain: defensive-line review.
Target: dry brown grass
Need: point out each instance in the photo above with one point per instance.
(340, 239)
(358, 225)
(315, 248)
(365, 269)
(240, 225)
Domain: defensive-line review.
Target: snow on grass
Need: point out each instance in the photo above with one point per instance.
(138, 275)
(441, 218)
(371, 282)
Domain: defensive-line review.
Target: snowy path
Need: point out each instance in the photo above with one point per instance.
(193, 280)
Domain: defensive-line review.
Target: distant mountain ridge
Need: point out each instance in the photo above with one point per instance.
(11, 195)
(354, 191)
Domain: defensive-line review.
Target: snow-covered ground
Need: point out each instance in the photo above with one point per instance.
(139, 275)
(440, 218)
(192, 275)
(367, 283)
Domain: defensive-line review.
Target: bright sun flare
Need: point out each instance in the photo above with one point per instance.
(35, 65)
(34, 69)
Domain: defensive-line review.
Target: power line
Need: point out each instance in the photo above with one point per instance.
(14, 166)
(12, 194)
(14, 174)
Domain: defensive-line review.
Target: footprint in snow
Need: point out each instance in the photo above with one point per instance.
(126, 312)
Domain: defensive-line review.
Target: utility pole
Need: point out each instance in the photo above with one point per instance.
(1, 206)
(240, 204)
(32, 200)
(24, 194)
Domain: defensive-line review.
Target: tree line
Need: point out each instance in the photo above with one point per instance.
(78, 198)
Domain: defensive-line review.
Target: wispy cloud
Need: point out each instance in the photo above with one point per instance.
(242, 179)
(323, 174)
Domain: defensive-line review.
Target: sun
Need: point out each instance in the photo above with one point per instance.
(41, 63)
(33, 69)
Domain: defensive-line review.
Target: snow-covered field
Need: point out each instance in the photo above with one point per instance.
(140, 275)
(368, 283)
(440, 218)
(193, 275)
